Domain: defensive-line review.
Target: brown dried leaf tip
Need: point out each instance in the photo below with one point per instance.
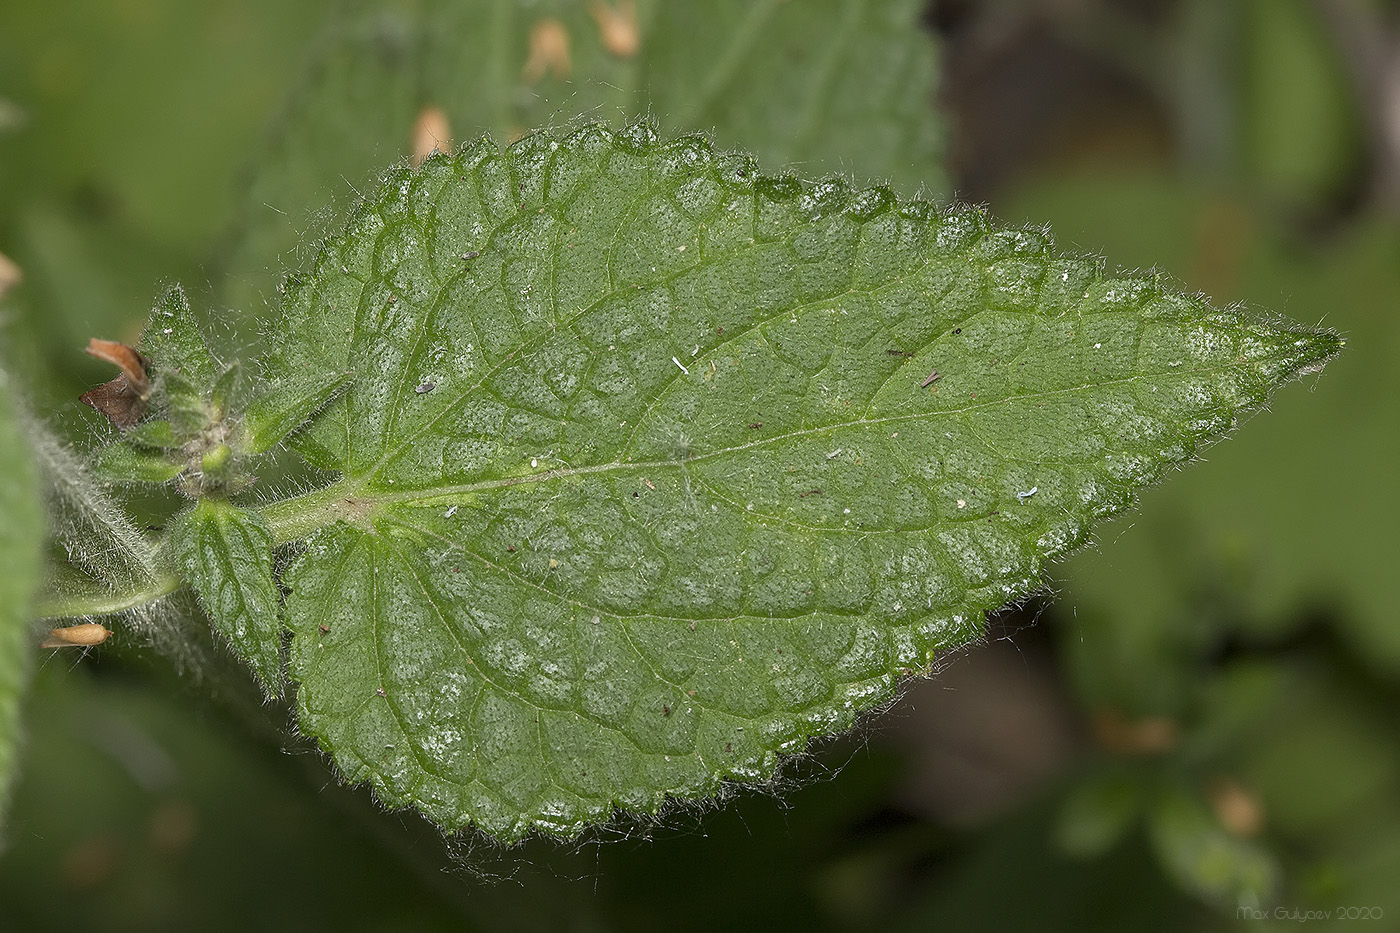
(76, 636)
(123, 400)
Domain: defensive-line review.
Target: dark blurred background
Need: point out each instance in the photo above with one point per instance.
(1194, 728)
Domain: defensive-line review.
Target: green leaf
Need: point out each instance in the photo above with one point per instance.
(646, 479)
(124, 463)
(182, 366)
(272, 417)
(226, 554)
(21, 536)
(846, 86)
(174, 344)
(1301, 127)
(159, 435)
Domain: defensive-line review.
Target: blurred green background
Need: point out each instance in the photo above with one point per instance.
(1195, 729)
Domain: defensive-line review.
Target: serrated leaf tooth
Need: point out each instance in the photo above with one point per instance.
(871, 203)
(638, 138)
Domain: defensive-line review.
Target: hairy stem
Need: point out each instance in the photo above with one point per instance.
(91, 527)
(73, 605)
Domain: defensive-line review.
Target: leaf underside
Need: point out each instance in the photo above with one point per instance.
(226, 554)
(647, 478)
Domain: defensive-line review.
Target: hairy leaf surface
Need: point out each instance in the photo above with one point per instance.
(226, 554)
(653, 468)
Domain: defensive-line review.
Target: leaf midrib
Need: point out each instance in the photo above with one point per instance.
(296, 518)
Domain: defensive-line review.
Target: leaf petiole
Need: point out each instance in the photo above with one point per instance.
(78, 605)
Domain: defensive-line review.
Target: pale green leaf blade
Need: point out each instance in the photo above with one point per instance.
(274, 416)
(174, 344)
(226, 554)
(21, 536)
(647, 478)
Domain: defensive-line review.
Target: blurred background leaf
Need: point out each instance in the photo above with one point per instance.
(21, 540)
(825, 86)
(130, 122)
